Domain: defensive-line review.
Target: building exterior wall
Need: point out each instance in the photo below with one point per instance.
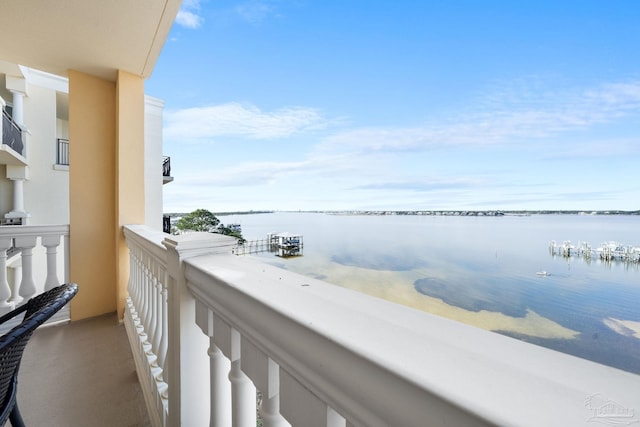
(153, 108)
(114, 176)
(92, 130)
(46, 192)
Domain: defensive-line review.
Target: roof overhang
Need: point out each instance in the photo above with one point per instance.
(97, 37)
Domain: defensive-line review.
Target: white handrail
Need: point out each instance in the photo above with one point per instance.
(325, 356)
(376, 363)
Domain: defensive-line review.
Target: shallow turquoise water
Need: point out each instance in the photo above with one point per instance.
(479, 267)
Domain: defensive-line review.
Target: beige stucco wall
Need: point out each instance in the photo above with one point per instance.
(92, 204)
(130, 197)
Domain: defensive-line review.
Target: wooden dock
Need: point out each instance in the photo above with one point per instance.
(281, 244)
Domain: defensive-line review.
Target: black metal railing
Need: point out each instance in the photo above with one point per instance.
(62, 152)
(11, 134)
(166, 224)
(166, 166)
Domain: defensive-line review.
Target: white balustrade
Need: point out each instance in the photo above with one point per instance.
(34, 263)
(145, 317)
(325, 356)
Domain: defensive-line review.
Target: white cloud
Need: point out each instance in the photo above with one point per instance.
(188, 19)
(247, 174)
(238, 120)
(420, 166)
(188, 14)
(255, 11)
(510, 121)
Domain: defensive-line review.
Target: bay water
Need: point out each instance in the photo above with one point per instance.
(482, 271)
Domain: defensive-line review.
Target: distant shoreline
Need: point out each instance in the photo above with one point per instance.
(443, 212)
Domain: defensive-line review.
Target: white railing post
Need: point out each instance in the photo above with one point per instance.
(28, 285)
(51, 243)
(5, 290)
(187, 348)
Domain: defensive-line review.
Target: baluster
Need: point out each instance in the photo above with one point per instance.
(243, 396)
(264, 373)
(28, 285)
(243, 392)
(270, 412)
(5, 290)
(51, 243)
(157, 337)
(220, 386)
(219, 367)
(140, 304)
(133, 282)
(162, 352)
(131, 286)
(15, 285)
(146, 295)
(153, 309)
(138, 284)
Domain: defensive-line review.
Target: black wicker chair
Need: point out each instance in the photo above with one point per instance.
(36, 311)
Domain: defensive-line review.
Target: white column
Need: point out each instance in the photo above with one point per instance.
(18, 107)
(18, 174)
(18, 195)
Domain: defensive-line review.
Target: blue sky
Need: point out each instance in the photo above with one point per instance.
(403, 105)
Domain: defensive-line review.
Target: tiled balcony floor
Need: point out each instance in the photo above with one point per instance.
(81, 374)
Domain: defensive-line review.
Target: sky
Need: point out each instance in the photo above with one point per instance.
(401, 105)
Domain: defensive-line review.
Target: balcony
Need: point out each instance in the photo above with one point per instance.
(166, 170)
(61, 368)
(62, 152)
(12, 146)
(208, 330)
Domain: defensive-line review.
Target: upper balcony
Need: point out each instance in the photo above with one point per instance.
(12, 145)
(166, 170)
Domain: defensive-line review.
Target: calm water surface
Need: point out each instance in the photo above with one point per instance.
(481, 271)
